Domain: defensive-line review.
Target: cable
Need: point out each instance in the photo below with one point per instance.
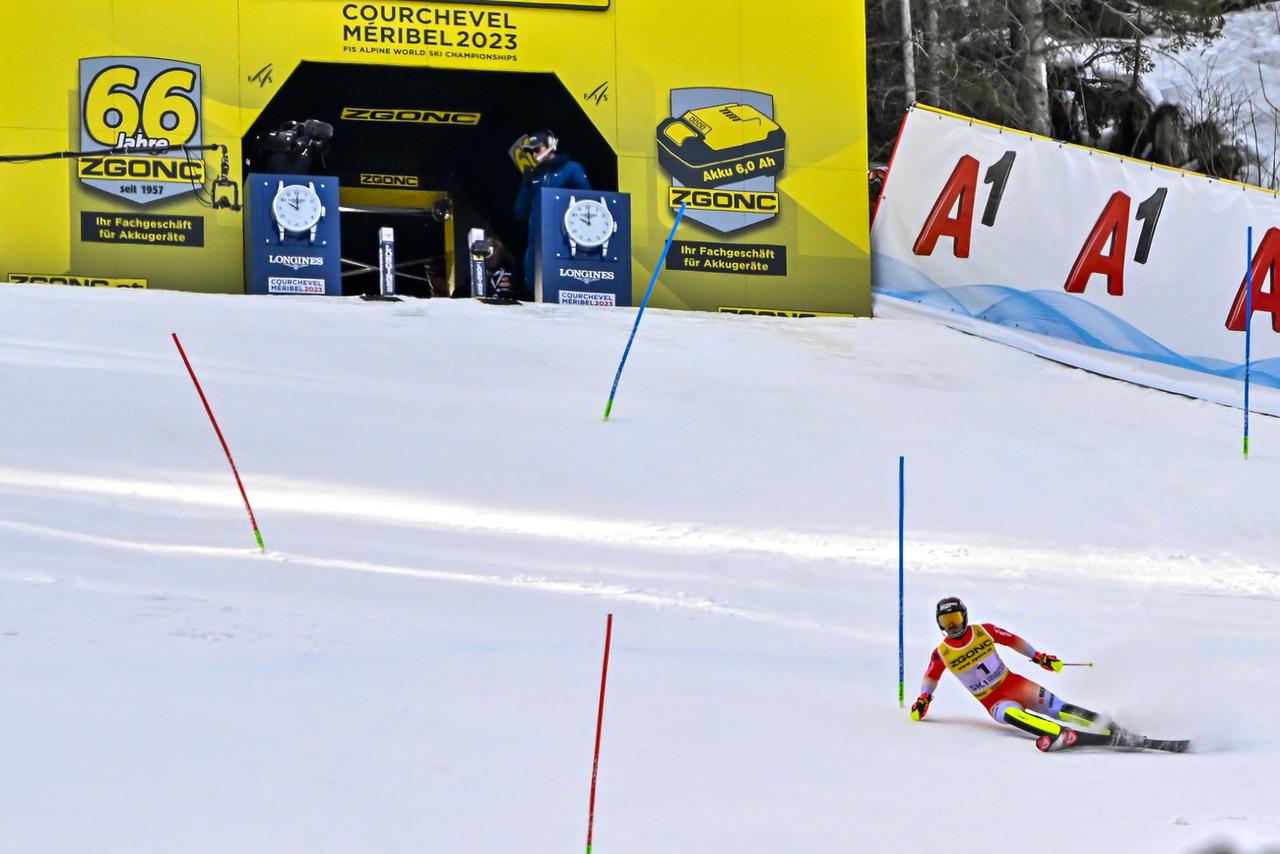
(205, 195)
(197, 187)
(71, 155)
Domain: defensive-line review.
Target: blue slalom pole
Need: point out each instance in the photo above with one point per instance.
(652, 281)
(901, 503)
(1248, 327)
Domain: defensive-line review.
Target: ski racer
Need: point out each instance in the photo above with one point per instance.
(969, 652)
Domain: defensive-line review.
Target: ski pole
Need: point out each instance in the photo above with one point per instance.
(1077, 664)
(1248, 325)
(901, 506)
(216, 429)
(595, 763)
(608, 407)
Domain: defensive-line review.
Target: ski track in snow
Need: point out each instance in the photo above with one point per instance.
(614, 592)
(928, 554)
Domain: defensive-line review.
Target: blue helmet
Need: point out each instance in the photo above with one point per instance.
(537, 139)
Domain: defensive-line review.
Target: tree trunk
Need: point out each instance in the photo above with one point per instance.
(908, 54)
(1136, 78)
(1030, 60)
(933, 56)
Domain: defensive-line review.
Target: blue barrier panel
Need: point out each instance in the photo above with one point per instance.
(584, 255)
(292, 235)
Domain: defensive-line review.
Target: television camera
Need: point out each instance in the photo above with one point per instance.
(293, 147)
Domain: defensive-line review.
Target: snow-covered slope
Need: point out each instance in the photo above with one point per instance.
(414, 663)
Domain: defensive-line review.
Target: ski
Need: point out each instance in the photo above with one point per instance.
(1171, 745)
(1121, 739)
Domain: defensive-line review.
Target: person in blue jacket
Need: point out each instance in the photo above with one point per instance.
(544, 167)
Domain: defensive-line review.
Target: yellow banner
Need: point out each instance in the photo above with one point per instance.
(716, 106)
(595, 5)
(75, 280)
(780, 312)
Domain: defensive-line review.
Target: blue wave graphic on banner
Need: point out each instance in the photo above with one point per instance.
(1056, 314)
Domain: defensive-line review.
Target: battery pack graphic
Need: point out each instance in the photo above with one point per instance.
(720, 144)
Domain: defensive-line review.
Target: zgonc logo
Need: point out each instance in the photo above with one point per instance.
(142, 103)
(74, 280)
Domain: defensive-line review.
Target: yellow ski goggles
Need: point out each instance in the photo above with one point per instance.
(953, 620)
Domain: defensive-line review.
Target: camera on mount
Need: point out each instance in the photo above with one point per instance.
(490, 268)
(442, 210)
(225, 192)
(293, 147)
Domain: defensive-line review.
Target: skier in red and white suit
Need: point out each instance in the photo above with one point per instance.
(969, 652)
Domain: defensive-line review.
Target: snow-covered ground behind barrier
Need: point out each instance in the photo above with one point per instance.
(1235, 79)
(414, 663)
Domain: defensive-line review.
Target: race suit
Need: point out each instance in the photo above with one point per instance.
(972, 658)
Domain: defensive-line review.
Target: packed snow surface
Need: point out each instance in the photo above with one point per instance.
(414, 663)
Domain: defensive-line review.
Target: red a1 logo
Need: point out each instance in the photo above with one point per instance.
(1103, 252)
(959, 192)
(1262, 270)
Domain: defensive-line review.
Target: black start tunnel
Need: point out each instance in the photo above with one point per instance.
(426, 151)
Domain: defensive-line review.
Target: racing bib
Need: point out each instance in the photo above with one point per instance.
(976, 664)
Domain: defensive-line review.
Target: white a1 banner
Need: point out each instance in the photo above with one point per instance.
(1115, 265)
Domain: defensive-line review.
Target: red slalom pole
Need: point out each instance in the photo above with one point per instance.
(252, 521)
(595, 764)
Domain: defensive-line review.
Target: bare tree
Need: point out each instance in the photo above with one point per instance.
(1031, 78)
(933, 55)
(908, 53)
(996, 59)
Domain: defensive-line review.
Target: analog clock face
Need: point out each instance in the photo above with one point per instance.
(588, 222)
(297, 207)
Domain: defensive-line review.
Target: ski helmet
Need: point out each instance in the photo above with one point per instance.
(952, 605)
(538, 141)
